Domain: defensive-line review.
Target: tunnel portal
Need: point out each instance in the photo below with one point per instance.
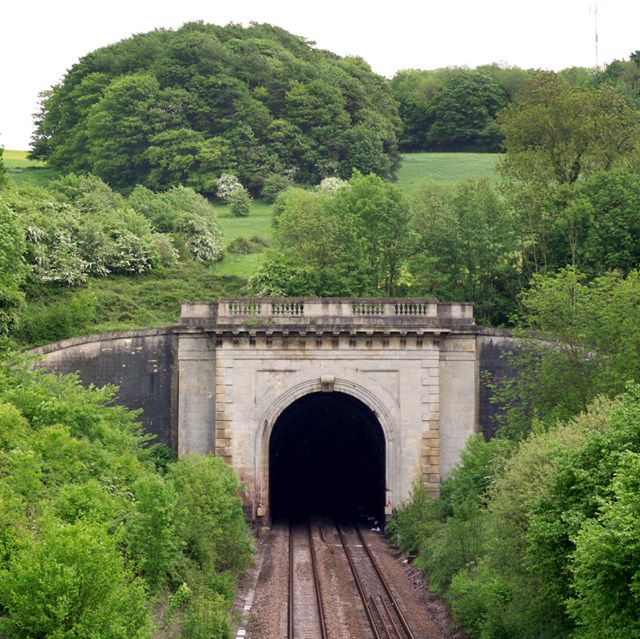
(327, 456)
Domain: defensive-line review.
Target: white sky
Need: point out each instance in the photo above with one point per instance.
(41, 39)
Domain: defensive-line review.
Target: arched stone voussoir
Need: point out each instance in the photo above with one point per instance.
(360, 386)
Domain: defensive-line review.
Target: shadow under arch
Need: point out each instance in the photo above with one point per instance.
(372, 405)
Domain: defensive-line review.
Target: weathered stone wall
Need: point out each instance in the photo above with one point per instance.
(493, 366)
(141, 363)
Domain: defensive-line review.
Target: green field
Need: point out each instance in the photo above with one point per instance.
(21, 170)
(446, 167)
(441, 167)
(259, 224)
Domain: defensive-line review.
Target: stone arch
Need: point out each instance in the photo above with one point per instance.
(372, 395)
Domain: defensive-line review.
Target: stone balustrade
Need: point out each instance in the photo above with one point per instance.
(334, 313)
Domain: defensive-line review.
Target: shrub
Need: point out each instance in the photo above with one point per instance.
(240, 201)
(152, 539)
(72, 313)
(226, 185)
(209, 514)
(414, 521)
(68, 581)
(13, 269)
(273, 185)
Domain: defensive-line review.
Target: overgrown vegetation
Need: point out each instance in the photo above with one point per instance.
(535, 539)
(102, 534)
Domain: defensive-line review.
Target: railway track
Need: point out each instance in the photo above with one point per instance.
(306, 616)
(306, 612)
(384, 615)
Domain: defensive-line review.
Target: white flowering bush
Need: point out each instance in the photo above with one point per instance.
(56, 259)
(79, 227)
(203, 242)
(331, 185)
(226, 184)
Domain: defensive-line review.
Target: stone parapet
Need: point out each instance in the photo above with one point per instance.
(327, 315)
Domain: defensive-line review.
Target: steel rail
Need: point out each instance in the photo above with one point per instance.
(358, 581)
(316, 579)
(385, 584)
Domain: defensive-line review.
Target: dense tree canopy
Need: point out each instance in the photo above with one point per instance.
(454, 109)
(464, 247)
(558, 133)
(180, 107)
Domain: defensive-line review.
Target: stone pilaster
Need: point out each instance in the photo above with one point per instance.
(196, 395)
(430, 388)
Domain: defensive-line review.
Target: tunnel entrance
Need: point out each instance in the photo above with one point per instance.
(327, 457)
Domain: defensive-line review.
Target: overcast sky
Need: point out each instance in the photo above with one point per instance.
(41, 39)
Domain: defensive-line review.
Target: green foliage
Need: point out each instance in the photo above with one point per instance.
(185, 214)
(539, 538)
(3, 171)
(606, 564)
(240, 202)
(559, 133)
(583, 481)
(465, 247)
(454, 108)
(477, 596)
(450, 534)
(209, 514)
(273, 185)
(206, 616)
(183, 107)
(242, 245)
(594, 335)
(414, 521)
(91, 531)
(558, 136)
(279, 276)
(69, 581)
(382, 214)
(13, 269)
(464, 111)
(80, 227)
(153, 537)
(53, 315)
(613, 231)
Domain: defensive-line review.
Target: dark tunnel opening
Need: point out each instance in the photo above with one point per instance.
(327, 457)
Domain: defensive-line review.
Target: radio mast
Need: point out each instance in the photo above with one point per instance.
(593, 8)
